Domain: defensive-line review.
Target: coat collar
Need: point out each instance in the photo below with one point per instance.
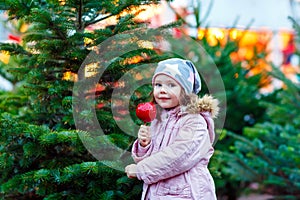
(202, 104)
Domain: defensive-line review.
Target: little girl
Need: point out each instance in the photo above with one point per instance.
(173, 153)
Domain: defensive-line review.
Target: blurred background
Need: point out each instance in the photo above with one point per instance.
(254, 44)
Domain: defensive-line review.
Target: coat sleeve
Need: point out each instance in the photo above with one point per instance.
(139, 153)
(191, 145)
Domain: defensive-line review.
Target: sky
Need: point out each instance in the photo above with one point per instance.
(271, 14)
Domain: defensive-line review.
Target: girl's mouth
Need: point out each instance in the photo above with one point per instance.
(164, 98)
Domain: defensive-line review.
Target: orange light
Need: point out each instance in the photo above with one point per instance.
(235, 34)
(215, 36)
(249, 53)
(145, 44)
(133, 60)
(234, 56)
(236, 75)
(91, 69)
(62, 2)
(285, 38)
(212, 40)
(138, 76)
(250, 38)
(141, 13)
(69, 76)
(88, 41)
(218, 33)
(4, 57)
(218, 53)
(24, 28)
(147, 12)
(200, 34)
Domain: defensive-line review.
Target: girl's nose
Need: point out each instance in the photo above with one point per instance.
(163, 89)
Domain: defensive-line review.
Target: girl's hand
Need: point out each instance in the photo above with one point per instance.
(131, 170)
(144, 135)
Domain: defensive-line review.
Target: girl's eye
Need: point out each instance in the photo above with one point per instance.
(171, 85)
(157, 85)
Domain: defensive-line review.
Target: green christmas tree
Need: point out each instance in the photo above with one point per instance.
(42, 150)
(268, 153)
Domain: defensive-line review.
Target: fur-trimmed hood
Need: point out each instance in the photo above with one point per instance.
(208, 107)
(203, 104)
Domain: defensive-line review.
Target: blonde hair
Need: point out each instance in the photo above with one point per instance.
(184, 100)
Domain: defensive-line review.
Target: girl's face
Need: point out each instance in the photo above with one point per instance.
(166, 91)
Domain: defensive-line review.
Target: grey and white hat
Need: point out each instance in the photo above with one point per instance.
(182, 71)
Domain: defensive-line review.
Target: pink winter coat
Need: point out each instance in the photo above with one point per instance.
(174, 164)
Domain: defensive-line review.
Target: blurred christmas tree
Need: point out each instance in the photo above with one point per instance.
(268, 153)
(41, 154)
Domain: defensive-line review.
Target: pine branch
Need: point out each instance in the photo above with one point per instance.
(98, 20)
(14, 49)
(244, 166)
(249, 143)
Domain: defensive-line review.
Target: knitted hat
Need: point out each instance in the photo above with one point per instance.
(182, 71)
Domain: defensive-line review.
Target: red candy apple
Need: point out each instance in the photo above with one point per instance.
(146, 111)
